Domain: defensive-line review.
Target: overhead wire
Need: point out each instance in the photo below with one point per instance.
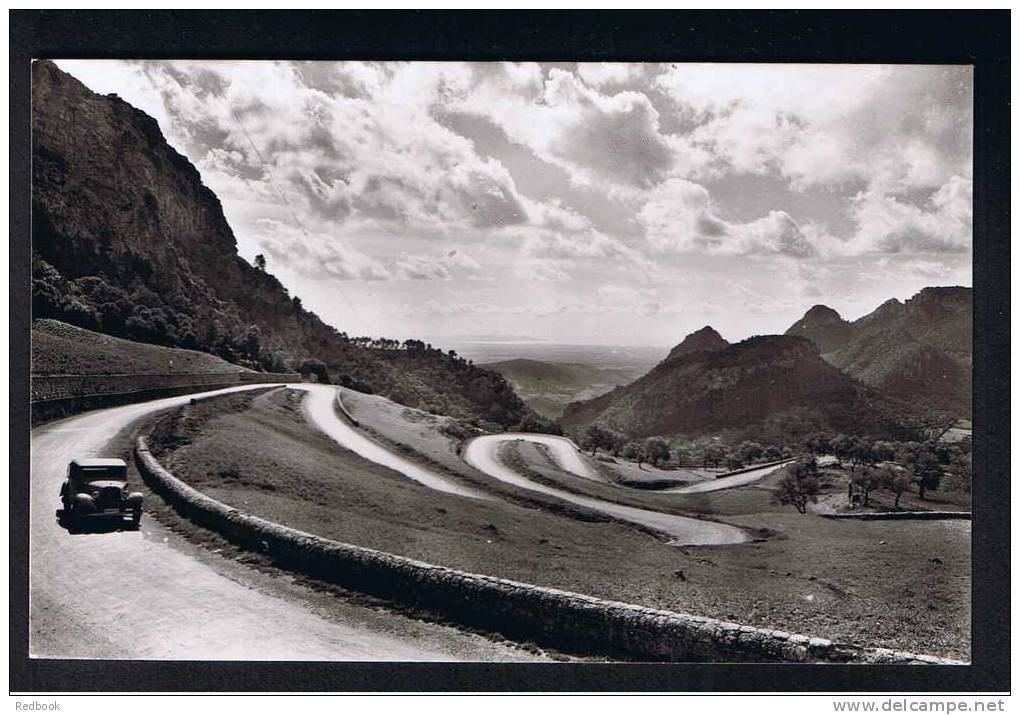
(287, 204)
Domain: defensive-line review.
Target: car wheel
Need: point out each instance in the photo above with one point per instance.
(136, 518)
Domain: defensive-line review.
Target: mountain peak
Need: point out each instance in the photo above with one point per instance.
(824, 327)
(704, 339)
(823, 313)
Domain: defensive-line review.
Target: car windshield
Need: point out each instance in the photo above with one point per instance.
(102, 474)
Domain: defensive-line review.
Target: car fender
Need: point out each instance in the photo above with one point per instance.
(134, 500)
(83, 502)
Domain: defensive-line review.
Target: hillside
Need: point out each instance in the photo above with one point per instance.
(768, 387)
(128, 241)
(918, 350)
(548, 387)
(62, 349)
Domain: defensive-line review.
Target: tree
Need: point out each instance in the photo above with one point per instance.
(656, 450)
(818, 443)
(860, 454)
(897, 481)
(772, 453)
(712, 455)
(750, 452)
(260, 262)
(799, 485)
(867, 481)
(596, 437)
(732, 460)
(841, 446)
(615, 442)
(634, 451)
(926, 469)
(680, 454)
(534, 423)
(883, 451)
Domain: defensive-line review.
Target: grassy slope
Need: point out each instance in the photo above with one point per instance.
(62, 349)
(866, 582)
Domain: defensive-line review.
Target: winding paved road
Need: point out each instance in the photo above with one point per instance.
(482, 453)
(563, 451)
(151, 594)
(737, 480)
(320, 411)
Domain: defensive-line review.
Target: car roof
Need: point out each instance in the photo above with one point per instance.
(85, 463)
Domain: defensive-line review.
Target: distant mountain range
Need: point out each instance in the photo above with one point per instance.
(129, 242)
(768, 387)
(918, 351)
(871, 376)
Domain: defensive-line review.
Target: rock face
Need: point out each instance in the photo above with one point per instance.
(919, 351)
(705, 339)
(768, 387)
(128, 241)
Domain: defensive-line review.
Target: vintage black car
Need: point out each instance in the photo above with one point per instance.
(97, 488)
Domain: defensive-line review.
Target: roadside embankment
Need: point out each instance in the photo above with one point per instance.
(567, 621)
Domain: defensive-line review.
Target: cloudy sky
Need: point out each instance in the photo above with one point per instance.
(602, 203)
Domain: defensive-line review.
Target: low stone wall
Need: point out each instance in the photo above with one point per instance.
(342, 411)
(55, 396)
(893, 515)
(753, 467)
(567, 621)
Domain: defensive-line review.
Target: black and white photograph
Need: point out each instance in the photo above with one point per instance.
(501, 361)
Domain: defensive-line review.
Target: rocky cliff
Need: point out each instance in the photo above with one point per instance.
(128, 241)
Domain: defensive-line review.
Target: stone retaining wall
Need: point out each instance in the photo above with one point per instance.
(341, 409)
(567, 621)
(753, 467)
(893, 515)
(55, 396)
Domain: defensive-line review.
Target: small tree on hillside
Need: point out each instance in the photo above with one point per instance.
(750, 452)
(841, 446)
(634, 451)
(596, 437)
(712, 455)
(799, 485)
(679, 453)
(866, 482)
(818, 443)
(926, 469)
(861, 454)
(656, 450)
(260, 262)
(897, 481)
(733, 460)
